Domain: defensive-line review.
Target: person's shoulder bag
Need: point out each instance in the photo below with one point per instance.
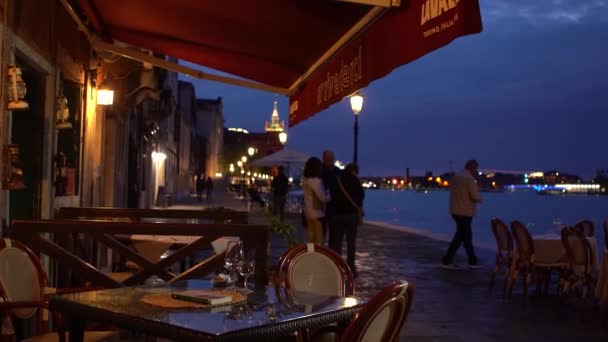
(350, 199)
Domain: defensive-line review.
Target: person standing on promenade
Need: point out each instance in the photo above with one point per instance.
(464, 197)
(279, 187)
(314, 200)
(209, 186)
(347, 202)
(199, 187)
(330, 172)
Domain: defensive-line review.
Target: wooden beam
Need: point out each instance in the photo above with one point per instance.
(202, 268)
(381, 3)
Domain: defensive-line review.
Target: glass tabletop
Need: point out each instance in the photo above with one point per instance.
(265, 307)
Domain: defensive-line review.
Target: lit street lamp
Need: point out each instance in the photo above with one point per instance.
(356, 104)
(251, 151)
(283, 137)
(244, 159)
(239, 163)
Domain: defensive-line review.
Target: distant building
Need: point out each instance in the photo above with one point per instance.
(275, 125)
(209, 125)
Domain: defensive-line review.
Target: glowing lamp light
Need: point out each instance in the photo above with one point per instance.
(356, 103)
(239, 163)
(158, 156)
(251, 151)
(244, 159)
(105, 97)
(16, 89)
(218, 175)
(231, 167)
(283, 137)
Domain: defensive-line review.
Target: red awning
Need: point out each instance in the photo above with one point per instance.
(276, 42)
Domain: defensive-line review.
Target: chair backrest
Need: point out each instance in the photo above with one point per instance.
(585, 227)
(314, 268)
(504, 240)
(22, 277)
(523, 241)
(577, 248)
(383, 316)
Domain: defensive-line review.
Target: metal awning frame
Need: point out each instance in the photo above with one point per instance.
(380, 7)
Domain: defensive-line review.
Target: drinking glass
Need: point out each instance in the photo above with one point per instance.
(232, 259)
(246, 266)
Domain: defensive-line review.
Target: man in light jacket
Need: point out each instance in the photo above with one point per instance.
(464, 196)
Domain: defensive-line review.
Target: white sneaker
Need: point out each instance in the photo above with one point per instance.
(450, 266)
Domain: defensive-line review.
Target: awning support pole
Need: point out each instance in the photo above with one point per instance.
(371, 15)
(159, 62)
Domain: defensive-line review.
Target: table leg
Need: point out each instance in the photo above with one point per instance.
(76, 329)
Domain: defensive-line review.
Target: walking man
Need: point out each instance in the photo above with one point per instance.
(464, 196)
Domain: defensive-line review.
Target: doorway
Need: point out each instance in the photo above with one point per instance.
(27, 132)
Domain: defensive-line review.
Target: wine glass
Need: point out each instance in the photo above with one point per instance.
(246, 266)
(231, 260)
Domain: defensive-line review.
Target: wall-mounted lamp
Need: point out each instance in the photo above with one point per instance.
(16, 89)
(105, 97)
(158, 156)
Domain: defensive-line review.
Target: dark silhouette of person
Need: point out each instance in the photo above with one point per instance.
(279, 187)
(209, 189)
(254, 195)
(200, 184)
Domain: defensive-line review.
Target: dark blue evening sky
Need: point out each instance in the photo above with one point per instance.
(528, 93)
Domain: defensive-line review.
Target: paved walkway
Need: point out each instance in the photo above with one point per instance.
(450, 305)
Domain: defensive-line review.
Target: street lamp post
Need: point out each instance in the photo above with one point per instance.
(283, 137)
(356, 104)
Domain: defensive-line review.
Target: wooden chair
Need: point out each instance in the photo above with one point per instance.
(525, 263)
(314, 268)
(383, 316)
(585, 227)
(504, 253)
(24, 294)
(579, 275)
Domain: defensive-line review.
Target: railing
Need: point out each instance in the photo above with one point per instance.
(35, 235)
(222, 215)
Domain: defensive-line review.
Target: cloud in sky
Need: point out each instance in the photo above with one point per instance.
(542, 12)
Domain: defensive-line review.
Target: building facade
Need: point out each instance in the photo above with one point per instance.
(209, 126)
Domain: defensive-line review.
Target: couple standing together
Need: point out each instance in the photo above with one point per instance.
(333, 201)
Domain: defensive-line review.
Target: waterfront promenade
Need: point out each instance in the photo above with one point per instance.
(448, 305)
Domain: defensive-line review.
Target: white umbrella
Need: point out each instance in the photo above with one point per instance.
(283, 157)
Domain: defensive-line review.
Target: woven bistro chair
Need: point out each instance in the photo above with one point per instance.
(585, 227)
(504, 253)
(524, 263)
(24, 295)
(383, 316)
(579, 275)
(316, 269)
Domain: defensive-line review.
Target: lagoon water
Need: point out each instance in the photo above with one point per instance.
(541, 214)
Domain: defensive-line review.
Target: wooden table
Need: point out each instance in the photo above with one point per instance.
(265, 314)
